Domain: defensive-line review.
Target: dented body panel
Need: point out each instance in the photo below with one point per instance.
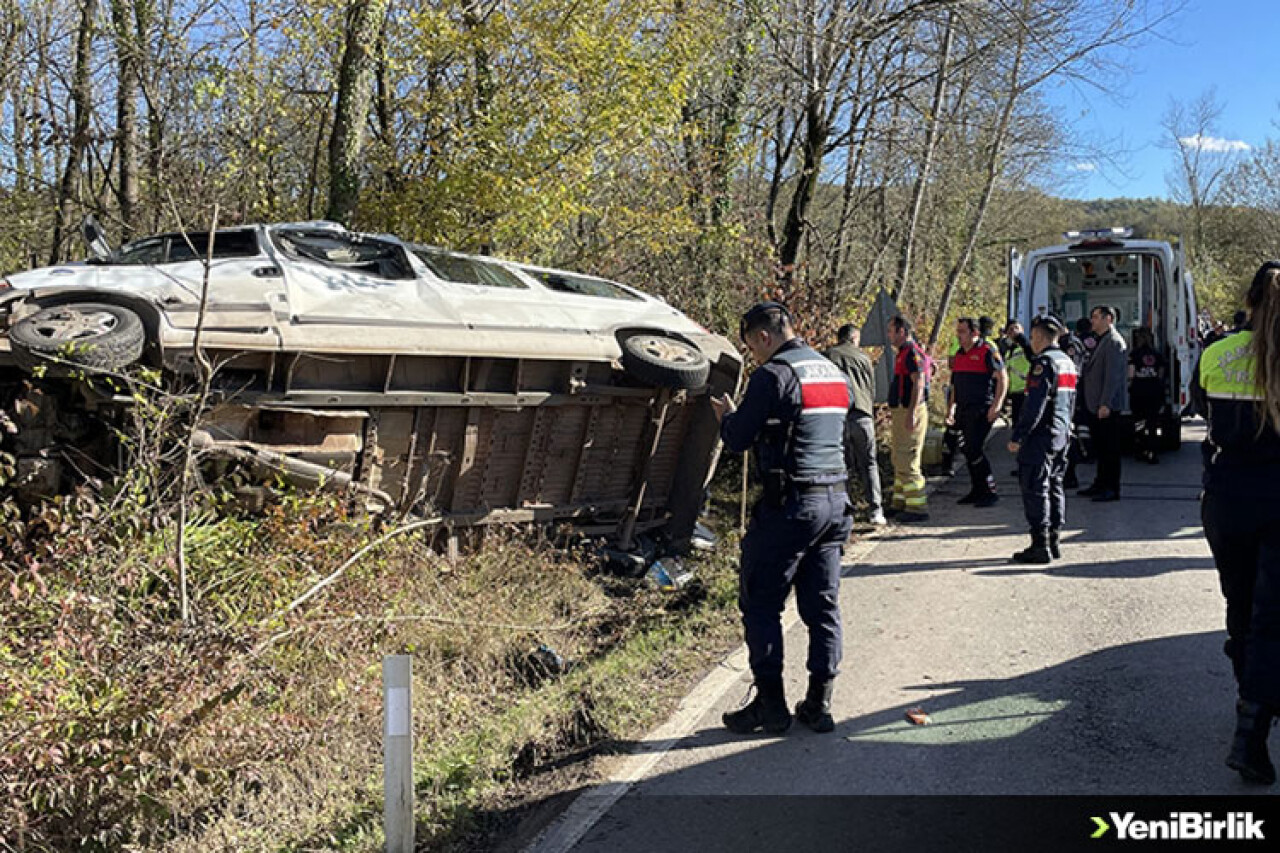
(497, 396)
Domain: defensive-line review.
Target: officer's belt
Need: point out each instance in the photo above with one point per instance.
(806, 488)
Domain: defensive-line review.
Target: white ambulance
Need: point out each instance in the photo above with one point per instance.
(1146, 281)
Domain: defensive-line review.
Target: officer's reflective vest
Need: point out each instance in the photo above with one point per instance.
(1227, 379)
(1053, 376)
(1018, 365)
(809, 449)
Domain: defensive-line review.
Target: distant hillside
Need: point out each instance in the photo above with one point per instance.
(1150, 218)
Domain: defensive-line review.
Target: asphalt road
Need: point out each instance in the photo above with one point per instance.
(1101, 674)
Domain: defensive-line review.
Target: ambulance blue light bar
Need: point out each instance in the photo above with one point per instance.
(1095, 234)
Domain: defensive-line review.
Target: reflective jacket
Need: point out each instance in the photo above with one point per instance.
(809, 448)
(911, 365)
(1239, 458)
(1050, 402)
(1018, 365)
(973, 375)
(792, 416)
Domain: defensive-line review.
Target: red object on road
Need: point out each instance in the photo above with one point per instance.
(918, 717)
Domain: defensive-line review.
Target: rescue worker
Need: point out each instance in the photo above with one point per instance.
(1018, 365)
(1012, 328)
(792, 417)
(1146, 393)
(1237, 387)
(860, 424)
(1040, 438)
(978, 385)
(908, 407)
(952, 435)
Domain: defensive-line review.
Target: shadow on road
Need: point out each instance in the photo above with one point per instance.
(1109, 723)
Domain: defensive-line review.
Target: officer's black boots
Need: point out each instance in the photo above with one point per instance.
(1054, 550)
(815, 709)
(1038, 553)
(1249, 746)
(768, 711)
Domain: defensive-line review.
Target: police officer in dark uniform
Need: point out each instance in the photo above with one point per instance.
(1237, 388)
(1040, 439)
(792, 417)
(978, 385)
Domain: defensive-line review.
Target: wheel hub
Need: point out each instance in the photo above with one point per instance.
(668, 350)
(73, 325)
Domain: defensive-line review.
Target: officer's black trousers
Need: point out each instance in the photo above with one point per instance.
(1244, 535)
(1040, 473)
(798, 544)
(1106, 446)
(975, 428)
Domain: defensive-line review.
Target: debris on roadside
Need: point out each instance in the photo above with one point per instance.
(542, 663)
(626, 563)
(669, 574)
(703, 539)
(918, 717)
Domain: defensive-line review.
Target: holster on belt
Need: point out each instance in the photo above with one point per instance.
(777, 486)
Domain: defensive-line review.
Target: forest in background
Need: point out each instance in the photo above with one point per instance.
(709, 151)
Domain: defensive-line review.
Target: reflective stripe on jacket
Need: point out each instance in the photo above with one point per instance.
(1018, 366)
(810, 448)
(1239, 458)
(1050, 402)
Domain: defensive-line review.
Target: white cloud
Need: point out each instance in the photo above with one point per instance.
(1085, 167)
(1214, 143)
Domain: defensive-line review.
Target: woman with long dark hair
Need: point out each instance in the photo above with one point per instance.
(1237, 386)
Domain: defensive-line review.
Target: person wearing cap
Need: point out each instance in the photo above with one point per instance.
(792, 418)
(1039, 440)
(978, 384)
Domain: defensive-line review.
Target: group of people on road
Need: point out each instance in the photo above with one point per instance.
(809, 419)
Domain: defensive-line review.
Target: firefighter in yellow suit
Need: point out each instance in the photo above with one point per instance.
(909, 408)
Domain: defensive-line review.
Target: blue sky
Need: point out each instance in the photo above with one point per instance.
(1227, 45)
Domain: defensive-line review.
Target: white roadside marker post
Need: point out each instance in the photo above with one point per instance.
(397, 753)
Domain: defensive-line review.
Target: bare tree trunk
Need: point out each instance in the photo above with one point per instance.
(82, 101)
(1000, 136)
(817, 122)
(812, 148)
(313, 174)
(852, 174)
(729, 114)
(781, 154)
(128, 57)
(20, 164)
(355, 93)
(932, 129)
(10, 33)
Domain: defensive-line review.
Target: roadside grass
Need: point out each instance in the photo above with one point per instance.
(248, 730)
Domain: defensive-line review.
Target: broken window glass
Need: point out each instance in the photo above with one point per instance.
(582, 285)
(345, 251)
(463, 270)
